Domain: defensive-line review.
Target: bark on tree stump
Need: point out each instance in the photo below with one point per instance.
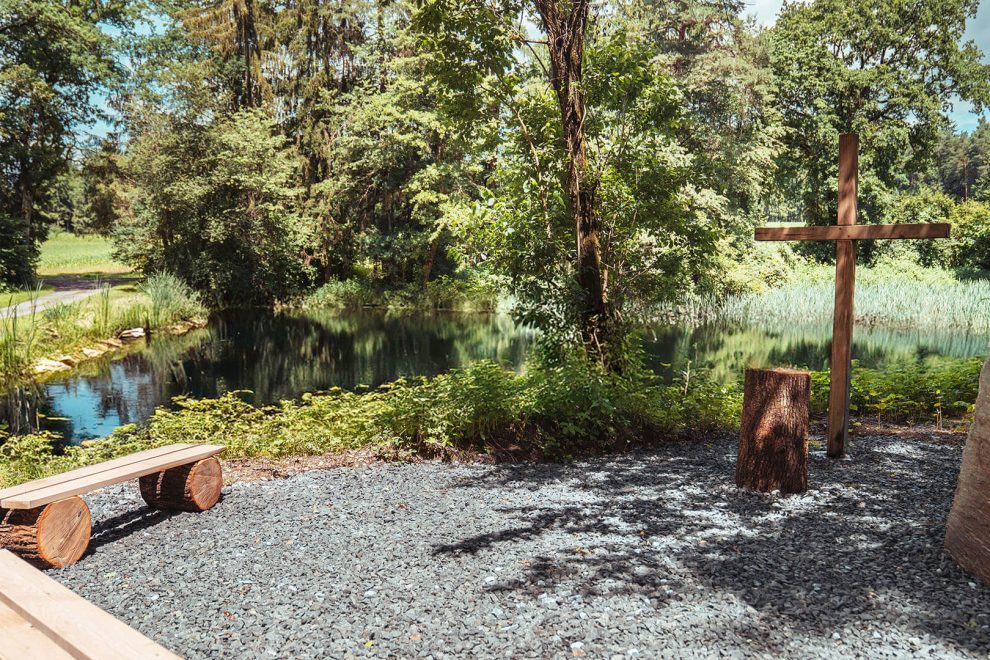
(193, 487)
(49, 536)
(773, 436)
(967, 537)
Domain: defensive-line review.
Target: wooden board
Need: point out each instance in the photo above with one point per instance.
(91, 470)
(852, 232)
(84, 480)
(78, 627)
(23, 641)
(840, 364)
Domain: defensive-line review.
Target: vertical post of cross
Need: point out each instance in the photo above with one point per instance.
(845, 281)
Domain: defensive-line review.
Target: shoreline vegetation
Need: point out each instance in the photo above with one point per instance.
(64, 335)
(556, 409)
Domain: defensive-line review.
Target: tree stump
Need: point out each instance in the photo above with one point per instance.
(773, 435)
(49, 536)
(193, 487)
(967, 536)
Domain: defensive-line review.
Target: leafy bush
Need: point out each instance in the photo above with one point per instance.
(557, 408)
(911, 391)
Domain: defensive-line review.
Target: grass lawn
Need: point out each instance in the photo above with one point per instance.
(68, 254)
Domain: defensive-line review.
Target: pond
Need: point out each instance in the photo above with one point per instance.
(277, 357)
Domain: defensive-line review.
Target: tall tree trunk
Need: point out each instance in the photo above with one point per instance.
(431, 259)
(564, 23)
(27, 204)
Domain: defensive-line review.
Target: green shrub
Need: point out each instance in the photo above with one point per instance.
(928, 391)
(558, 408)
(470, 294)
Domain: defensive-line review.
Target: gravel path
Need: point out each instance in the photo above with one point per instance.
(68, 289)
(653, 554)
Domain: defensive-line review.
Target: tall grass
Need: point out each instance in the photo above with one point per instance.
(171, 298)
(17, 339)
(961, 306)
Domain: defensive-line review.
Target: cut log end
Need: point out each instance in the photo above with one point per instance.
(49, 536)
(193, 487)
(773, 435)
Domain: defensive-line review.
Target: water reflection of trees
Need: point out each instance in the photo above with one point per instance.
(274, 356)
(279, 357)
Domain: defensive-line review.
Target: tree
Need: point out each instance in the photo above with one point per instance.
(964, 163)
(879, 69)
(217, 205)
(104, 190)
(53, 59)
(589, 204)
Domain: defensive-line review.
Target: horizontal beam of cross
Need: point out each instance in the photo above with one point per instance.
(852, 232)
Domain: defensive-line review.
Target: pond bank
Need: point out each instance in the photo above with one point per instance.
(650, 553)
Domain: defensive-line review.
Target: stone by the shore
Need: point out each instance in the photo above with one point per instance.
(47, 365)
(131, 334)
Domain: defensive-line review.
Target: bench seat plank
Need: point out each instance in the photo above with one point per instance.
(80, 628)
(22, 640)
(90, 470)
(85, 480)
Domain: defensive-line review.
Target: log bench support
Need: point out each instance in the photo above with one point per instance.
(194, 487)
(49, 536)
(47, 524)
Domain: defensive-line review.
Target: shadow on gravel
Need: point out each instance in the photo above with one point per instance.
(862, 549)
(118, 527)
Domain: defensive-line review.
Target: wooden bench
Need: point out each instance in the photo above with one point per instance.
(47, 523)
(39, 618)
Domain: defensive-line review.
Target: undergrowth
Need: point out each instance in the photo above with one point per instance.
(555, 410)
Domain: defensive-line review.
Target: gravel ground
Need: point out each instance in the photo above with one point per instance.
(654, 554)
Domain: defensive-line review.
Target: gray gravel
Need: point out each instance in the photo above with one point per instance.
(652, 554)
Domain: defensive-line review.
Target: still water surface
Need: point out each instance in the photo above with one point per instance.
(279, 357)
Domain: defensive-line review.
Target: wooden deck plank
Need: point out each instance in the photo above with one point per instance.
(80, 628)
(90, 470)
(46, 495)
(22, 641)
(851, 232)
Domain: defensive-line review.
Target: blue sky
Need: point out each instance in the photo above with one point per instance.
(978, 29)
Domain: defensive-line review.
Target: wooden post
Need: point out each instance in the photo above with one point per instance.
(967, 535)
(843, 314)
(773, 436)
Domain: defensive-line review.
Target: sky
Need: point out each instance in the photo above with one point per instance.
(978, 29)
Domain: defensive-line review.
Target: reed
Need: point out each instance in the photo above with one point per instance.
(963, 306)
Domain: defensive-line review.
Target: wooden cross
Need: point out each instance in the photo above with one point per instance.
(845, 234)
